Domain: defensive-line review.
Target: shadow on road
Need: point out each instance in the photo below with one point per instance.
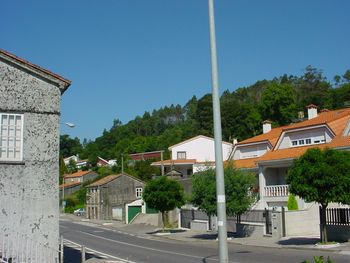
(74, 256)
(299, 241)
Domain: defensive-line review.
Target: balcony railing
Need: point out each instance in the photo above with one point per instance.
(276, 190)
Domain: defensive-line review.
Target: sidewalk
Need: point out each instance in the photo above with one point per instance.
(149, 231)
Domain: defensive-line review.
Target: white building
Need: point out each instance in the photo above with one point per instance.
(192, 155)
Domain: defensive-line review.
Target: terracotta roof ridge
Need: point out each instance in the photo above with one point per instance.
(21, 60)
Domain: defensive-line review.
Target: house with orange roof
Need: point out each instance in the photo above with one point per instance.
(80, 177)
(191, 156)
(72, 182)
(270, 154)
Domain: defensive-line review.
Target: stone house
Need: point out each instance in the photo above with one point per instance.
(80, 177)
(74, 181)
(107, 197)
(29, 150)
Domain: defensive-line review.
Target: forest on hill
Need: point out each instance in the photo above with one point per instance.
(242, 113)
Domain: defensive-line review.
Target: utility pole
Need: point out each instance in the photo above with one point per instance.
(219, 167)
(122, 164)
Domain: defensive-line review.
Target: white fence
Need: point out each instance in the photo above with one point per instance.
(18, 248)
(276, 190)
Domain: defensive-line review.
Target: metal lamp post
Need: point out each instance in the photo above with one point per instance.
(220, 185)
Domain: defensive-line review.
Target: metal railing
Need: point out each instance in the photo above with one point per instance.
(18, 248)
(337, 216)
(276, 190)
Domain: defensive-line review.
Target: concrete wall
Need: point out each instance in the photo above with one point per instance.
(303, 222)
(29, 189)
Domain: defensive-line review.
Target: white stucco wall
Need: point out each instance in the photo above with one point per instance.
(317, 133)
(250, 151)
(202, 149)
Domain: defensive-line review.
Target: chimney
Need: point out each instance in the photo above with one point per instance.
(301, 115)
(235, 141)
(266, 126)
(311, 111)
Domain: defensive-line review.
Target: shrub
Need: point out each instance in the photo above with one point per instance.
(292, 203)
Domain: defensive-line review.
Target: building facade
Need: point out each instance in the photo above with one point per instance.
(107, 197)
(29, 150)
(272, 153)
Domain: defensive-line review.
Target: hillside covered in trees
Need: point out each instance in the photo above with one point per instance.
(242, 112)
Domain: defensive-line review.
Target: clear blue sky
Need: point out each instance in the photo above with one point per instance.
(125, 57)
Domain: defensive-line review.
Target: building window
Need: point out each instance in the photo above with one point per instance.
(308, 141)
(301, 142)
(11, 137)
(294, 143)
(138, 192)
(181, 155)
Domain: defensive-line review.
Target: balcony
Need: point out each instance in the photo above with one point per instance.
(276, 191)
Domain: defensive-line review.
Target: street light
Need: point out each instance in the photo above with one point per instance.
(70, 125)
(220, 185)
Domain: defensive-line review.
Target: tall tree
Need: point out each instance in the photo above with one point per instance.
(237, 189)
(69, 146)
(164, 195)
(278, 103)
(321, 176)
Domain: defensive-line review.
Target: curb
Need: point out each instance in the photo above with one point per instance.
(232, 241)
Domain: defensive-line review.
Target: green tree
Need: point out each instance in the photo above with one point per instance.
(164, 195)
(237, 190)
(69, 146)
(278, 103)
(72, 166)
(321, 176)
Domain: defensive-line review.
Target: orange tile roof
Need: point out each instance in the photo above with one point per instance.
(295, 152)
(336, 120)
(246, 163)
(77, 174)
(36, 67)
(110, 178)
(104, 180)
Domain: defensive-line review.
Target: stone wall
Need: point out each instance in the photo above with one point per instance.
(120, 192)
(29, 189)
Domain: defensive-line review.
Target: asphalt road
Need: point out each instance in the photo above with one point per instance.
(142, 249)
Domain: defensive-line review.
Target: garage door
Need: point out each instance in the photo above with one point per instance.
(133, 211)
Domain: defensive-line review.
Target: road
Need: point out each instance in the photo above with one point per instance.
(142, 249)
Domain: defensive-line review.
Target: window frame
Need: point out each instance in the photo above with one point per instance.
(138, 192)
(13, 160)
(178, 155)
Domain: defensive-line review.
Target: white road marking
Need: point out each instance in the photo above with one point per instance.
(147, 248)
(100, 253)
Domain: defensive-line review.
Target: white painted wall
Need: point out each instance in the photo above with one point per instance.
(303, 222)
(250, 151)
(315, 134)
(202, 149)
